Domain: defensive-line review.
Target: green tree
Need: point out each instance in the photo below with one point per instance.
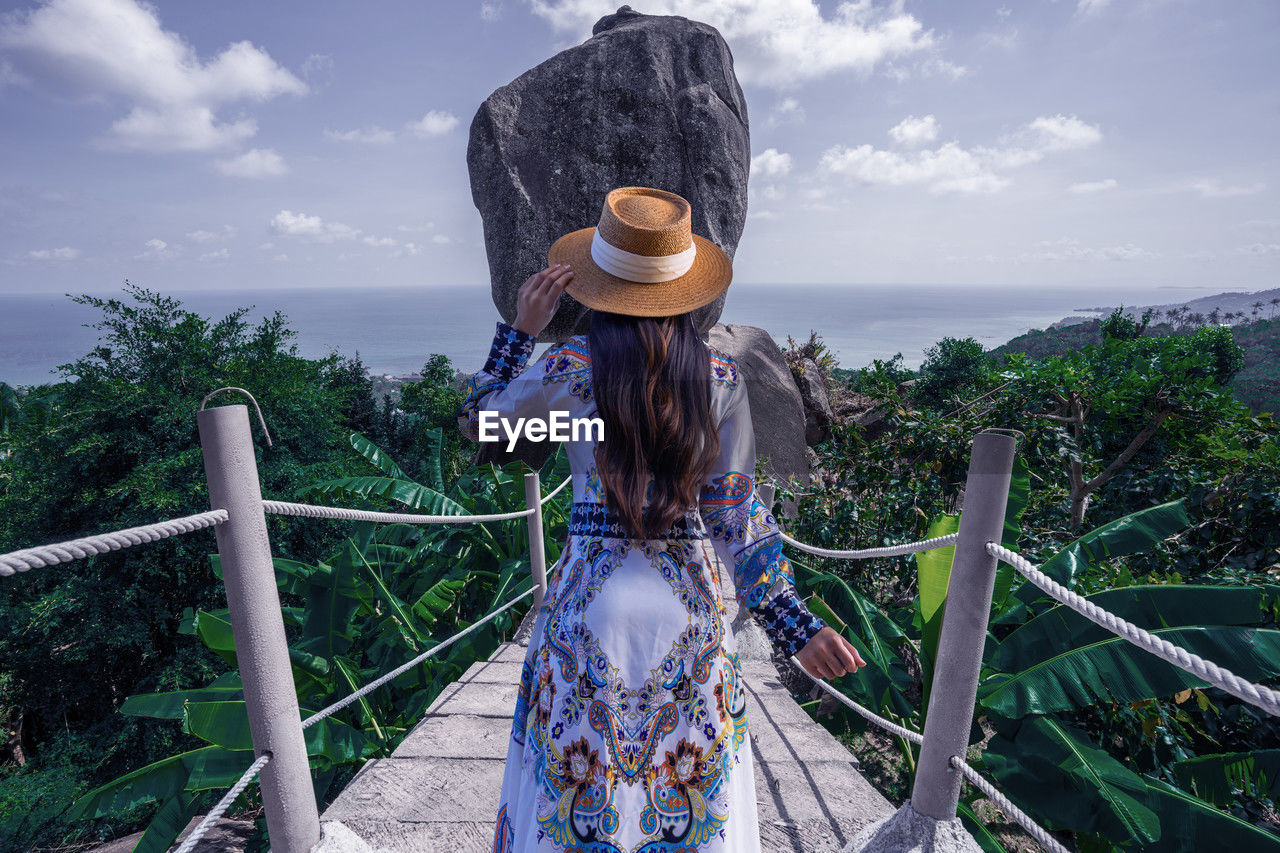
(118, 447)
(953, 370)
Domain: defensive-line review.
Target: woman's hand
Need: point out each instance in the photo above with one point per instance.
(829, 655)
(539, 296)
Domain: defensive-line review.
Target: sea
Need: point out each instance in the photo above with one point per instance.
(395, 330)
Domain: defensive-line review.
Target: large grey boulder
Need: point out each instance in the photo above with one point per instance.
(777, 413)
(648, 100)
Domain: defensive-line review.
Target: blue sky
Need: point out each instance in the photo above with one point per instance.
(271, 145)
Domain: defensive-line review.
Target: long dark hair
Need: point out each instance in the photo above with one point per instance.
(651, 381)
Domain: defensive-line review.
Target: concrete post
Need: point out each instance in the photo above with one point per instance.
(537, 550)
(293, 822)
(936, 791)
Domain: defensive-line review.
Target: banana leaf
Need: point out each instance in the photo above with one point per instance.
(435, 452)
(376, 455)
(978, 830)
(1192, 825)
(1150, 607)
(934, 571)
(1216, 778)
(1057, 774)
(333, 599)
(169, 706)
(209, 767)
(1132, 534)
(412, 495)
(168, 822)
(1115, 671)
(226, 724)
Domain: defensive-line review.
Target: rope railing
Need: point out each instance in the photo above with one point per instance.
(870, 553)
(1255, 694)
(403, 668)
(872, 716)
(88, 546)
(1035, 830)
(346, 514)
(1039, 833)
(225, 803)
(552, 494)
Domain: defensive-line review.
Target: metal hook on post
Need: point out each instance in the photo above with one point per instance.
(261, 420)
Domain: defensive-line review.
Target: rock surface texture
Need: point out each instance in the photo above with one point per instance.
(648, 100)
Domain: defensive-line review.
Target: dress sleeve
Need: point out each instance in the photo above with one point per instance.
(746, 535)
(503, 385)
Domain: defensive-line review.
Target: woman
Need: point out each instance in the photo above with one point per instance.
(630, 732)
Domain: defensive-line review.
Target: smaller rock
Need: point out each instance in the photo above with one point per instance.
(817, 402)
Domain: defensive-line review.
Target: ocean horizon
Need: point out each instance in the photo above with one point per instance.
(394, 330)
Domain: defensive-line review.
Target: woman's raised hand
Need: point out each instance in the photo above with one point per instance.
(539, 296)
(829, 655)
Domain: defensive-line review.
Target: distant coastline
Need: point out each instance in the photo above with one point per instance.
(394, 330)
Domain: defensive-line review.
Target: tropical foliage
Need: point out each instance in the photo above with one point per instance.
(1088, 734)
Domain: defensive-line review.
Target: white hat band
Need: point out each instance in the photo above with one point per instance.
(641, 268)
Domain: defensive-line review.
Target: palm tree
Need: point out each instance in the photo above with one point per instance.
(1275, 302)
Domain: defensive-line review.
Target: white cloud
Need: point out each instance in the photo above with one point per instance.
(1258, 249)
(255, 163)
(779, 43)
(290, 224)
(156, 249)
(1093, 186)
(378, 241)
(441, 239)
(915, 131)
(373, 135)
(952, 168)
(217, 255)
(1059, 133)
(788, 111)
(203, 236)
(407, 249)
(117, 50)
(770, 164)
(490, 11)
(281, 257)
(949, 168)
(1212, 188)
(434, 123)
(66, 253)
(1003, 12)
(1086, 8)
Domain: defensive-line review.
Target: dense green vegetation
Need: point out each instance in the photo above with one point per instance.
(115, 445)
(1143, 485)
(1257, 384)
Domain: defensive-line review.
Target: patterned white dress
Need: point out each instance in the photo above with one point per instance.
(630, 732)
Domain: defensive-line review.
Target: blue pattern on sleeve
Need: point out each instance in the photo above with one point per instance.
(508, 354)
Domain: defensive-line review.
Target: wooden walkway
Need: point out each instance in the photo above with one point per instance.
(439, 790)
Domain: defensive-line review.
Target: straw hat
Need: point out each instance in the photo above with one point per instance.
(643, 258)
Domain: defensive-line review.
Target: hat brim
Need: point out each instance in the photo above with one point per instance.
(592, 286)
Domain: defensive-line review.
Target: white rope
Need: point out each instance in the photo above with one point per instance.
(225, 803)
(403, 668)
(567, 481)
(312, 511)
(888, 725)
(1039, 833)
(64, 552)
(887, 551)
(1255, 694)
